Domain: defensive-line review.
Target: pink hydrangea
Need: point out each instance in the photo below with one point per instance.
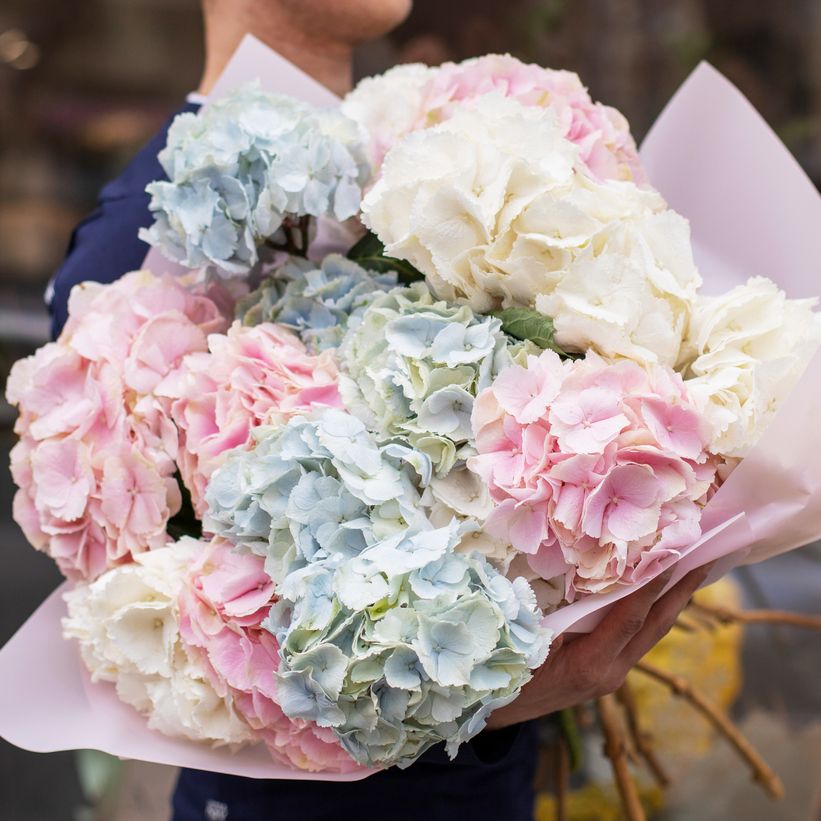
(251, 376)
(599, 470)
(602, 134)
(95, 462)
(222, 605)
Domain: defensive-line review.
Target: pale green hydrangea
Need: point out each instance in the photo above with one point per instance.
(413, 365)
(404, 646)
(319, 302)
(387, 635)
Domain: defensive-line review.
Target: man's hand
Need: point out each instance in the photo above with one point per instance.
(597, 664)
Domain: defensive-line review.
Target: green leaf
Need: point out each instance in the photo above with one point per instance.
(369, 252)
(527, 324)
(368, 246)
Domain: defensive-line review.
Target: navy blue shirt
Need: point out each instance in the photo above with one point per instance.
(104, 246)
(492, 777)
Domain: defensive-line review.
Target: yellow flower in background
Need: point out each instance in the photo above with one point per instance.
(711, 661)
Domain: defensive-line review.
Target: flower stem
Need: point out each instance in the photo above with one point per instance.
(642, 740)
(727, 615)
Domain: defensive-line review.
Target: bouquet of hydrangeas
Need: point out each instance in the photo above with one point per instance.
(331, 504)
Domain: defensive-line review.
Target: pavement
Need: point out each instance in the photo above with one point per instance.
(720, 789)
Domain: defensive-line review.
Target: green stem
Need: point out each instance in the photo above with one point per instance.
(570, 732)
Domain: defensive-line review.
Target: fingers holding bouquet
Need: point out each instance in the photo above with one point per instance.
(589, 666)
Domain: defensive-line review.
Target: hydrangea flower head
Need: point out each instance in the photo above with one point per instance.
(317, 302)
(405, 645)
(744, 351)
(388, 106)
(413, 97)
(223, 600)
(599, 470)
(127, 623)
(412, 366)
(248, 378)
(317, 487)
(495, 208)
(95, 462)
(241, 167)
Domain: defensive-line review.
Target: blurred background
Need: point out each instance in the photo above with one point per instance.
(83, 85)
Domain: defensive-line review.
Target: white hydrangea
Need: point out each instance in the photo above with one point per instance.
(127, 626)
(744, 353)
(494, 207)
(387, 106)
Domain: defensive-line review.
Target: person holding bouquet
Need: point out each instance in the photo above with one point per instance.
(492, 775)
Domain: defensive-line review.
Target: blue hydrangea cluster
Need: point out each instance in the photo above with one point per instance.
(387, 635)
(315, 489)
(319, 302)
(413, 365)
(404, 646)
(242, 167)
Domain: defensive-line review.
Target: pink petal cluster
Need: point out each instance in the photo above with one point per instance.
(601, 133)
(222, 605)
(251, 376)
(95, 461)
(599, 470)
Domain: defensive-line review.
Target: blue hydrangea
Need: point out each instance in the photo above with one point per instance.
(319, 302)
(244, 167)
(315, 489)
(412, 367)
(387, 635)
(405, 645)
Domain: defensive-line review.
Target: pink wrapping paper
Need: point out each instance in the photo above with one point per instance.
(753, 211)
(48, 703)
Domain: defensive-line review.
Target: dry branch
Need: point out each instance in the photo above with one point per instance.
(615, 748)
(727, 615)
(642, 740)
(762, 772)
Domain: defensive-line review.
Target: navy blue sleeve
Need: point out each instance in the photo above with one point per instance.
(433, 788)
(104, 246)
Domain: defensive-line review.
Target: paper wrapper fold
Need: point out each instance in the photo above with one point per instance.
(753, 212)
